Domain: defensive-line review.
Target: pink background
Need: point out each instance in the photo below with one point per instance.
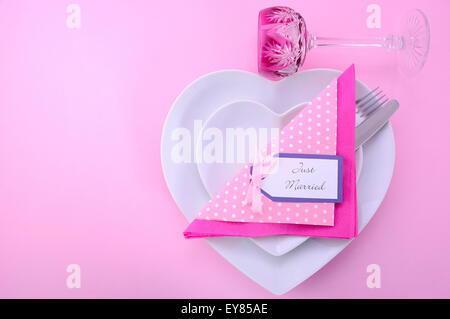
(81, 114)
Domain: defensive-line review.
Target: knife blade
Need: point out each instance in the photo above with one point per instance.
(370, 126)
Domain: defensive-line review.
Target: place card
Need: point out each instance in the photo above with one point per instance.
(304, 178)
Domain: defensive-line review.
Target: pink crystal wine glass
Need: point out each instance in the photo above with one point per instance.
(284, 41)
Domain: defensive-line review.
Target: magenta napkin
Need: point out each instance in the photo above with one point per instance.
(345, 218)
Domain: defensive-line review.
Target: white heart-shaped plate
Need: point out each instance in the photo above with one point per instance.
(199, 101)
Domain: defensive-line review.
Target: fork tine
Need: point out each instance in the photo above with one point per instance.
(367, 101)
(367, 106)
(377, 106)
(369, 109)
(367, 95)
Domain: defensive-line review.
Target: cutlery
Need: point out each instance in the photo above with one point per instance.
(377, 118)
(370, 102)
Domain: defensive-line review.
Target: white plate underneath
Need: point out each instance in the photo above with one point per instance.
(276, 274)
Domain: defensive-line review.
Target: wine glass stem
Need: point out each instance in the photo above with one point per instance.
(389, 42)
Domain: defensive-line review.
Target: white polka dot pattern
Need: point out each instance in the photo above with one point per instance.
(312, 131)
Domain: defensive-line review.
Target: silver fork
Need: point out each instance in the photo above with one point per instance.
(370, 102)
(373, 115)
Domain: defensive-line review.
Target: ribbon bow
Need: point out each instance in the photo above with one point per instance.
(262, 166)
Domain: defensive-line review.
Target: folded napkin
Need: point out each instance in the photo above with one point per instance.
(344, 224)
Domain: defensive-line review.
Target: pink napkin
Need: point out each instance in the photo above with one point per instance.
(345, 219)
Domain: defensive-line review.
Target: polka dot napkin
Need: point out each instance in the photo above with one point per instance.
(312, 131)
(325, 126)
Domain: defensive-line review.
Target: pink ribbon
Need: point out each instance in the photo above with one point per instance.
(262, 166)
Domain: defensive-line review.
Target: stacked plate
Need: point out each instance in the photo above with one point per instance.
(278, 263)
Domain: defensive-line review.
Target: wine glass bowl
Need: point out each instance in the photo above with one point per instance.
(282, 40)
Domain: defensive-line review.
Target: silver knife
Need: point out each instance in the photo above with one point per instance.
(370, 126)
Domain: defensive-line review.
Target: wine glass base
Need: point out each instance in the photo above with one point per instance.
(415, 38)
